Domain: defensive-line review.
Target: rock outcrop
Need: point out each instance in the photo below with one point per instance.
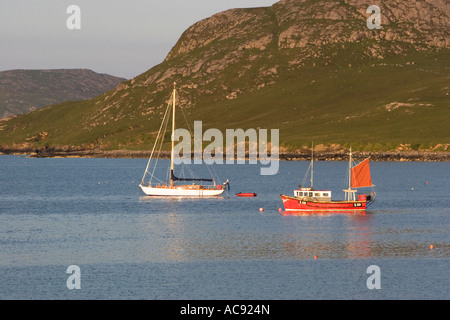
(291, 34)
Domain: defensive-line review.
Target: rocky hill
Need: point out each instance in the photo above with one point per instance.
(22, 91)
(312, 69)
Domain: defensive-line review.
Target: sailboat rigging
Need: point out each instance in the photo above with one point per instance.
(170, 188)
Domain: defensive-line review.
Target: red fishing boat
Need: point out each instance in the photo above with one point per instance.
(310, 199)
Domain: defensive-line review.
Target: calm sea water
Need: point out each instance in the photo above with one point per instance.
(91, 213)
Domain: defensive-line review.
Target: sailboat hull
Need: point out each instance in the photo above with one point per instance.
(299, 204)
(181, 191)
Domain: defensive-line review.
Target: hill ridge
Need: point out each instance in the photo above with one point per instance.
(24, 90)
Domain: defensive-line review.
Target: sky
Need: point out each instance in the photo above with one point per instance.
(117, 37)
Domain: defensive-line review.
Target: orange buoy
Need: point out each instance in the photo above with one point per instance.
(261, 209)
(279, 209)
(315, 257)
(431, 247)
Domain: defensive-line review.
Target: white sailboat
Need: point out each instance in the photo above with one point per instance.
(175, 186)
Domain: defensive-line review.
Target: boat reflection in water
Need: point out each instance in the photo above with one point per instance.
(300, 213)
(354, 240)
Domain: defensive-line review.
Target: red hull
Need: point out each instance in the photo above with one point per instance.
(247, 194)
(295, 204)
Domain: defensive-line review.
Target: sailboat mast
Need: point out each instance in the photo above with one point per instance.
(173, 130)
(312, 165)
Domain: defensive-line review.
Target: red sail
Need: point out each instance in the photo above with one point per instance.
(361, 175)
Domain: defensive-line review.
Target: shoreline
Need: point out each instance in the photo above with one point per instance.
(430, 156)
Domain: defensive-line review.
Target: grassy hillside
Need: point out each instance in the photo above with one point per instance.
(378, 106)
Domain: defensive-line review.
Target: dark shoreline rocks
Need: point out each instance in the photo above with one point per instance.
(374, 156)
(285, 156)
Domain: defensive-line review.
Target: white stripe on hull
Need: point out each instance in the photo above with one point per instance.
(331, 210)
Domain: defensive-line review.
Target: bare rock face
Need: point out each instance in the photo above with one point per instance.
(301, 22)
(212, 45)
(422, 22)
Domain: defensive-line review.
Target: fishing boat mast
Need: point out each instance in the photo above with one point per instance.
(312, 165)
(350, 194)
(350, 170)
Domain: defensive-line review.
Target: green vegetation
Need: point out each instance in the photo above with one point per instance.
(371, 107)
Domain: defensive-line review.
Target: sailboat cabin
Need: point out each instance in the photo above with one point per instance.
(320, 195)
